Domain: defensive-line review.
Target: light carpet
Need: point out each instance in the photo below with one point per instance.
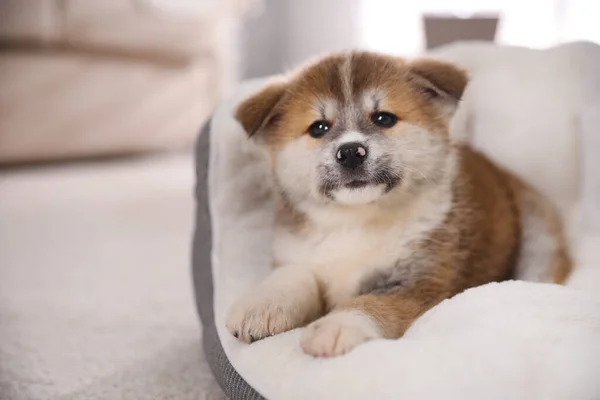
(95, 290)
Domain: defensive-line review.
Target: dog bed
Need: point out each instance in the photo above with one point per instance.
(517, 340)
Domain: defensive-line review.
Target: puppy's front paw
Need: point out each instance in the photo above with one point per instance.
(338, 333)
(259, 315)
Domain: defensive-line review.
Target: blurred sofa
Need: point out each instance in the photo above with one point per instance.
(84, 78)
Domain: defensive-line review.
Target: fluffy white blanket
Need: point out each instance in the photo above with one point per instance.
(512, 340)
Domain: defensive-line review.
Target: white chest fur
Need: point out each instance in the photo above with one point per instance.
(343, 248)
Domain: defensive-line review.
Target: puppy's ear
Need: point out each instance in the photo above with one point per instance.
(261, 110)
(439, 77)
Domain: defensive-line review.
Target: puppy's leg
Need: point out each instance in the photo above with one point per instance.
(339, 332)
(369, 316)
(287, 299)
(544, 254)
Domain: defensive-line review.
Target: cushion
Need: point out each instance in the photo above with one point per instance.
(173, 32)
(105, 107)
(516, 340)
(29, 20)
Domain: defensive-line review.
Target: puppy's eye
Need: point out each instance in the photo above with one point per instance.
(384, 119)
(318, 129)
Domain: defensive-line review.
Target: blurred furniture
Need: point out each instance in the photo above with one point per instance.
(441, 29)
(87, 78)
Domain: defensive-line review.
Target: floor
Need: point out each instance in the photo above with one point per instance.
(95, 293)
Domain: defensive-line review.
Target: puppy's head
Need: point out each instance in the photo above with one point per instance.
(355, 127)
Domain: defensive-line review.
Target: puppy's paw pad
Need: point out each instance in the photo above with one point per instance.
(338, 333)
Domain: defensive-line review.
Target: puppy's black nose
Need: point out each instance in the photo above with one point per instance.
(351, 155)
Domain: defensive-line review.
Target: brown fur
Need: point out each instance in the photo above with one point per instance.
(256, 114)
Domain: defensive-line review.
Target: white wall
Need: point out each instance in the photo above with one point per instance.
(319, 26)
(290, 31)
